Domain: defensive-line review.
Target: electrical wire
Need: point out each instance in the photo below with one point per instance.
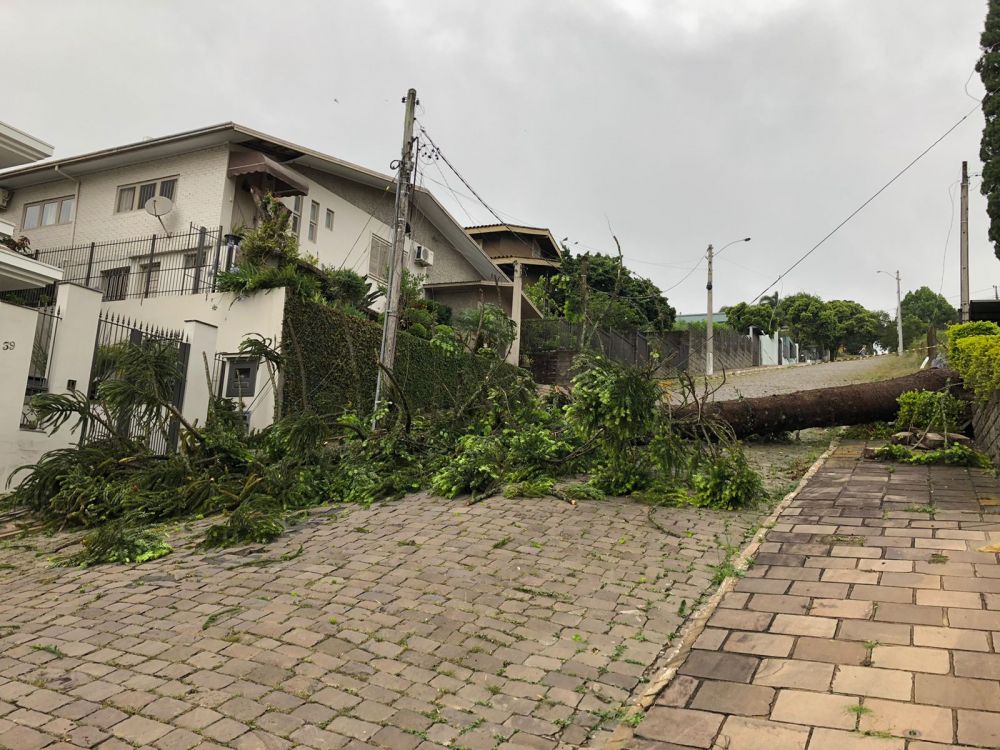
(471, 189)
(951, 224)
(860, 208)
(686, 276)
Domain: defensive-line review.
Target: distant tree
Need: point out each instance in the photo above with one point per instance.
(741, 316)
(808, 320)
(929, 307)
(913, 329)
(854, 326)
(989, 151)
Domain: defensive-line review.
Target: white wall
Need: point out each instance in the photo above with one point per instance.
(769, 347)
(201, 177)
(72, 352)
(234, 320)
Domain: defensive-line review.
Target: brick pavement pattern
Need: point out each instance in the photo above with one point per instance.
(413, 625)
(869, 621)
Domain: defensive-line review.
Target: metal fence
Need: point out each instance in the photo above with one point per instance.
(113, 333)
(556, 334)
(151, 266)
(41, 358)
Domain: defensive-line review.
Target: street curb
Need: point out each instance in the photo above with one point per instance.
(693, 628)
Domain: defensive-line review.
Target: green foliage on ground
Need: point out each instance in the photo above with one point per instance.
(931, 411)
(489, 432)
(955, 454)
(974, 351)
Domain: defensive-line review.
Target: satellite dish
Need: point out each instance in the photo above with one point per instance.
(158, 206)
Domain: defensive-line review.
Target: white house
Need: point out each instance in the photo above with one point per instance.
(341, 212)
(88, 216)
(135, 235)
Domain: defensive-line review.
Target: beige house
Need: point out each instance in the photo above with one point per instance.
(534, 248)
(81, 213)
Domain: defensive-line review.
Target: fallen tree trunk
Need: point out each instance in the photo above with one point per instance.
(821, 407)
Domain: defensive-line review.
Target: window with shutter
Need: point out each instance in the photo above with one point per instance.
(378, 259)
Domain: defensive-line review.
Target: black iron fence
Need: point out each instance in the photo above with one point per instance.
(41, 358)
(114, 333)
(152, 266)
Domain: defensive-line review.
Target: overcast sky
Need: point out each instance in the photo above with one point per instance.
(680, 122)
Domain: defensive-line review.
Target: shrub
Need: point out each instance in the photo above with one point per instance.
(932, 411)
(955, 454)
(966, 330)
(977, 359)
(727, 482)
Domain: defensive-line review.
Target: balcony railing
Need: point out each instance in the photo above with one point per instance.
(153, 266)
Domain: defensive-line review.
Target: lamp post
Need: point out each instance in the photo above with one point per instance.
(709, 331)
(899, 315)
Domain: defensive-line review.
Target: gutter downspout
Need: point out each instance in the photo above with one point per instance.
(76, 200)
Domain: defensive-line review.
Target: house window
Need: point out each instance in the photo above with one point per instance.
(296, 214)
(378, 259)
(134, 197)
(313, 220)
(114, 283)
(329, 219)
(150, 278)
(241, 378)
(49, 213)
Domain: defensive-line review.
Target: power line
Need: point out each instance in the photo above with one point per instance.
(858, 210)
(471, 189)
(686, 276)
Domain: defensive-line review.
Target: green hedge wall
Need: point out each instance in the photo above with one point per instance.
(339, 354)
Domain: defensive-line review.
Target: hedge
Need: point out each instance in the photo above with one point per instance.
(339, 355)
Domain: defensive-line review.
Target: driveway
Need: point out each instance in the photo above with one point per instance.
(417, 624)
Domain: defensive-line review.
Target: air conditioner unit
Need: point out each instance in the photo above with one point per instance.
(424, 256)
(5, 196)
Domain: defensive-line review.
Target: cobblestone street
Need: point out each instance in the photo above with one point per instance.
(417, 624)
(870, 620)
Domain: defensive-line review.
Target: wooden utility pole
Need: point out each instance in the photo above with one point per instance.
(387, 356)
(584, 299)
(709, 328)
(964, 243)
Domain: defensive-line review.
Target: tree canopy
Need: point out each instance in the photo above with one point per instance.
(989, 151)
(929, 307)
(612, 295)
(741, 316)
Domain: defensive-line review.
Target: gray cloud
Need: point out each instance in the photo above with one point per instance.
(682, 122)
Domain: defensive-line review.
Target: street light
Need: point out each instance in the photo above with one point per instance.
(899, 315)
(709, 331)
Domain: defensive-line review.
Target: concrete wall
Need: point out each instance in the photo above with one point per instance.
(69, 368)
(770, 346)
(233, 321)
(986, 423)
(198, 199)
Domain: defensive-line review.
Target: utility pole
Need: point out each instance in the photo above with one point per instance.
(964, 243)
(899, 318)
(709, 343)
(387, 355)
(584, 299)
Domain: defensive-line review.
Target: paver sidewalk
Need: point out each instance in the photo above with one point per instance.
(866, 622)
